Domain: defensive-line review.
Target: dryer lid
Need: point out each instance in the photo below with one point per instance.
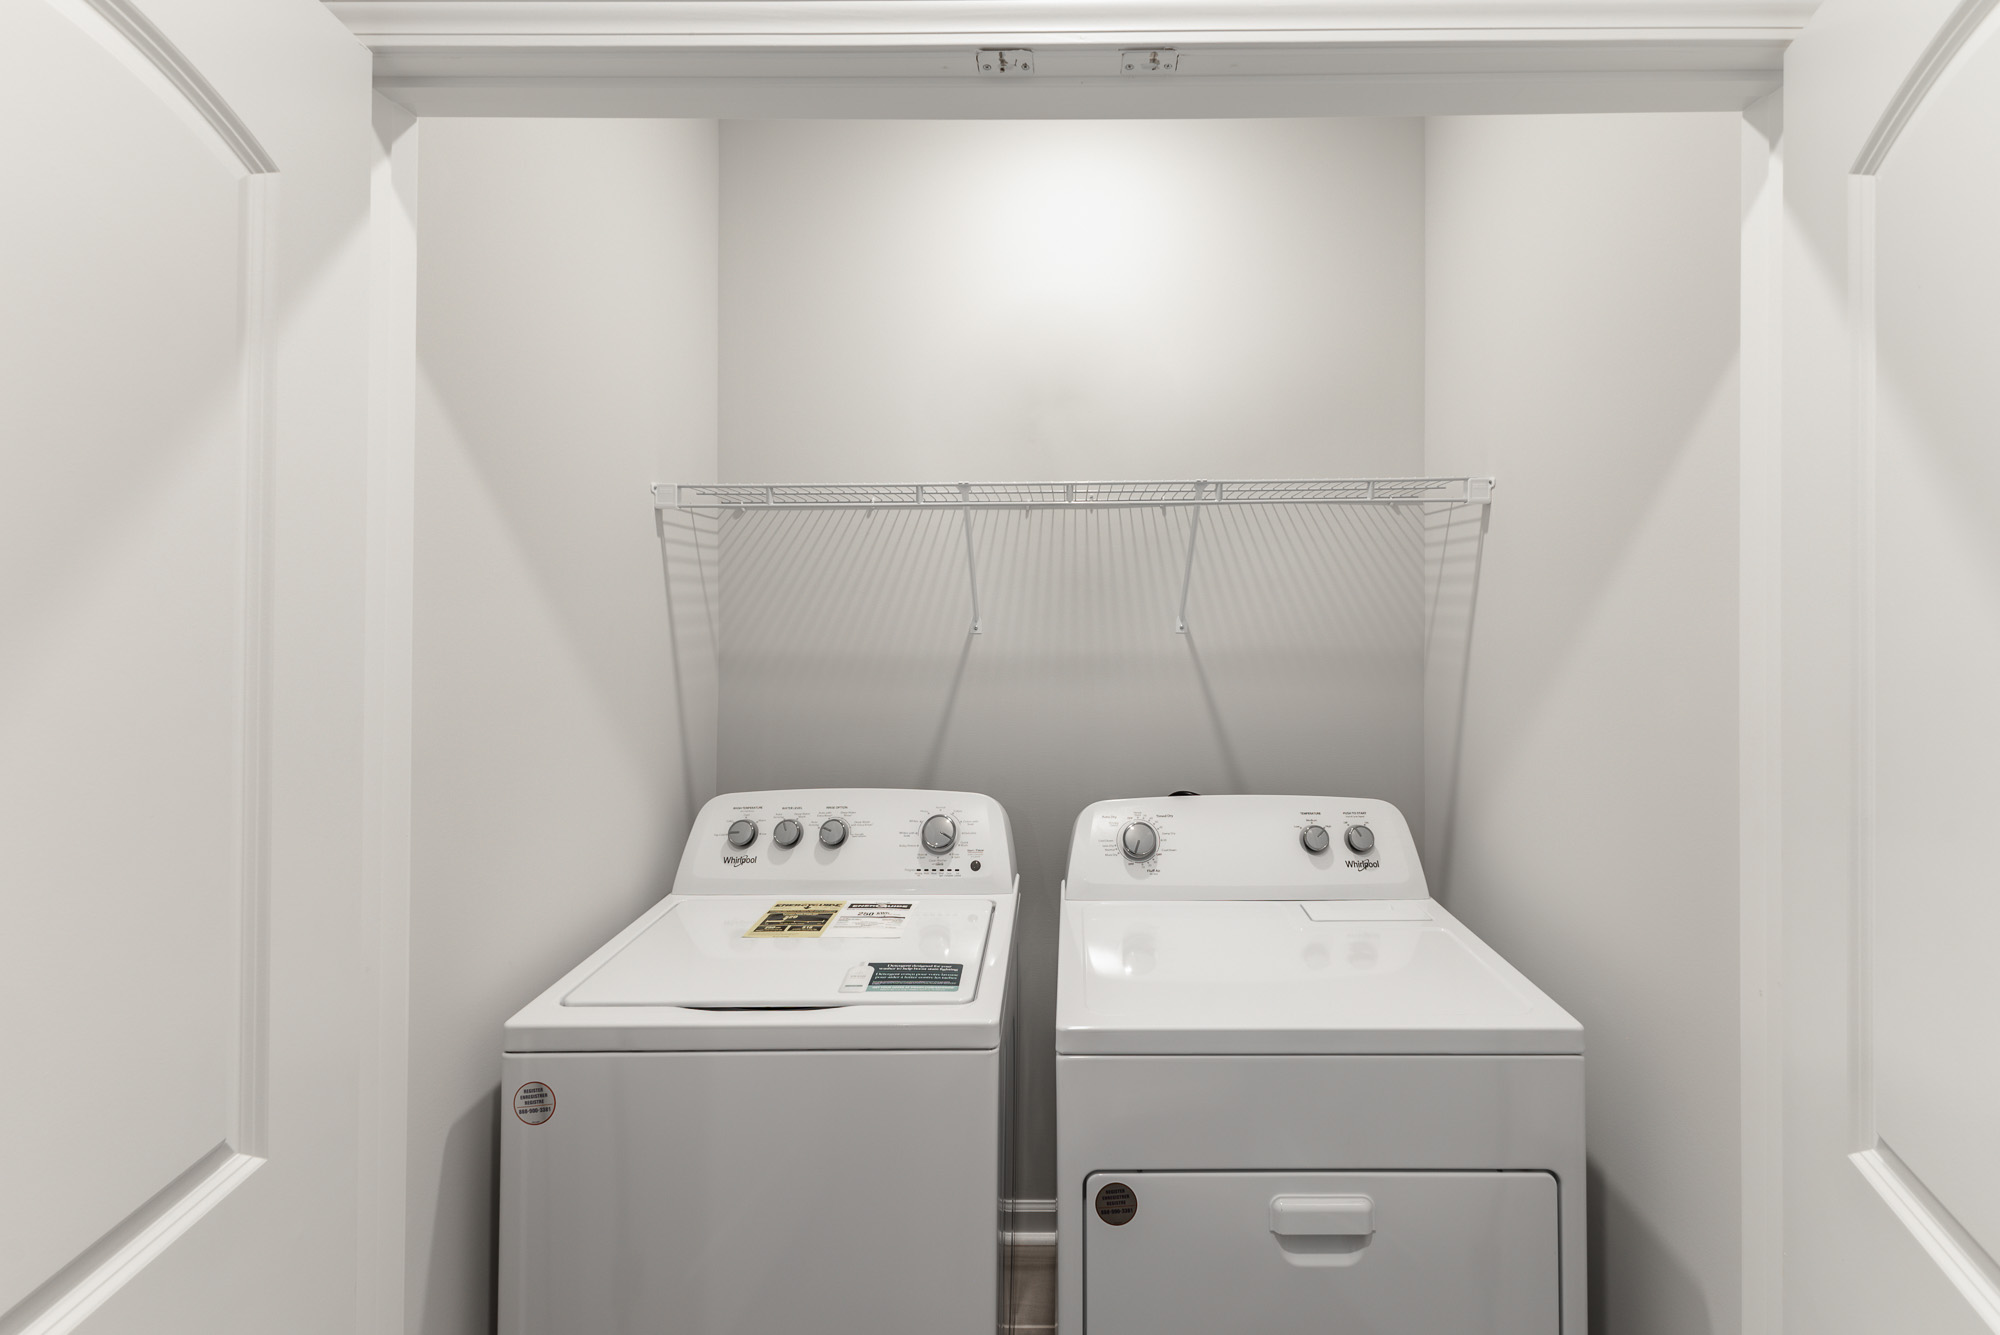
(737, 953)
(1276, 977)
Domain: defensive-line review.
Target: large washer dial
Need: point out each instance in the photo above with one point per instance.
(743, 834)
(1139, 841)
(940, 834)
(833, 832)
(787, 832)
(1315, 839)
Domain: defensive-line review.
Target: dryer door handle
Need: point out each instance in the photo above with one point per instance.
(1323, 1230)
(1322, 1216)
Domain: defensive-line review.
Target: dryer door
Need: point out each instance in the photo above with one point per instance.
(1291, 1253)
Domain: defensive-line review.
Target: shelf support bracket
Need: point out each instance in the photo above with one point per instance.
(1187, 575)
(971, 569)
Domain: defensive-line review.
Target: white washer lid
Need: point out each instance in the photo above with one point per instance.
(735, 952)
(1142, 977)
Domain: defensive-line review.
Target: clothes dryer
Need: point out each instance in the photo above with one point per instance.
(774, 1103)
(1294, 1094)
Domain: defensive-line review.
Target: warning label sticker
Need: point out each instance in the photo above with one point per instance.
(903, 977)
(797, 917)
(870, 920)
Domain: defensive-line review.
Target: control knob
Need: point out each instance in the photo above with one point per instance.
(743, 834)
(940, 834)
(786, 833)
(833, 832)
(1139, 841)
(1315, 839)
(1360, 838)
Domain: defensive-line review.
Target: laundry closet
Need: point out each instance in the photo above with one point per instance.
(1549, 302)
(450, 444)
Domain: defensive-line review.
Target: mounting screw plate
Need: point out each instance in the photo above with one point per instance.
(1017, 60)
(1160, 60)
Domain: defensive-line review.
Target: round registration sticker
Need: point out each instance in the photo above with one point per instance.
(1116, 1203)
(534, 1103)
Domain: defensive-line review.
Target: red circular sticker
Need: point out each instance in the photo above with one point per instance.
(534, 1103)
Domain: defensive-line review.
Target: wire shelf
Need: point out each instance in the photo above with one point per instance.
(965, 497)
(719, 497)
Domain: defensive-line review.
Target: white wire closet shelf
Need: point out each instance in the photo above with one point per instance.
(723, 496)
(744, 497)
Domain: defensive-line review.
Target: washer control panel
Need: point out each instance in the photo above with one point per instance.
(1244, 847)
(818, 841)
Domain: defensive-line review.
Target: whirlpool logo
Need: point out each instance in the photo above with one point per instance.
(1363, 864)
(739, 860)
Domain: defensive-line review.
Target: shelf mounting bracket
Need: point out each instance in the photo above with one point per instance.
(1187, 575)
(971, 569)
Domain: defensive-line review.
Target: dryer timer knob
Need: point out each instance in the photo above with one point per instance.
(1361, 839)
(1315, 839)
(1139, 841)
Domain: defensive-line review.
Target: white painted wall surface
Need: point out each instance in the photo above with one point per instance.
(1028, 299)
(1582, 308)
(564, 727)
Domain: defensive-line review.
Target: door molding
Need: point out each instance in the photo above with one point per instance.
(1760, 722)
(149, 52)
(1924, 76)
(383, 1180)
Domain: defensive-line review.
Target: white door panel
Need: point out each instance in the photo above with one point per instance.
(1892, 649)
(181, 396)
(122, 528)
(1936, 922)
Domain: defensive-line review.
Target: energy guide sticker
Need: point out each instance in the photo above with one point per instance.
(880, 920)
(797, 917)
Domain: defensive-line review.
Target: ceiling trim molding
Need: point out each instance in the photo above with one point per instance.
(863, 58)
(392, 24)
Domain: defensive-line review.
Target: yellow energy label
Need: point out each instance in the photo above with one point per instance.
(797, 917)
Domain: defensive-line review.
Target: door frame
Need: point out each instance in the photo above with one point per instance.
(715, 59)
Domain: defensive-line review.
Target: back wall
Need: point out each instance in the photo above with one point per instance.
(948, 301)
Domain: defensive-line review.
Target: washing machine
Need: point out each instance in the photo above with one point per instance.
(773, 1104)
(1295, 1094)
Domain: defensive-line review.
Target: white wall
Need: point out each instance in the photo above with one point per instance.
(563, 724)
(910, 300)
(1582, 332)
(1028, 299)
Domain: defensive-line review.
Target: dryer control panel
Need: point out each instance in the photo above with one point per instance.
(812, 841)
(1243, 847)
